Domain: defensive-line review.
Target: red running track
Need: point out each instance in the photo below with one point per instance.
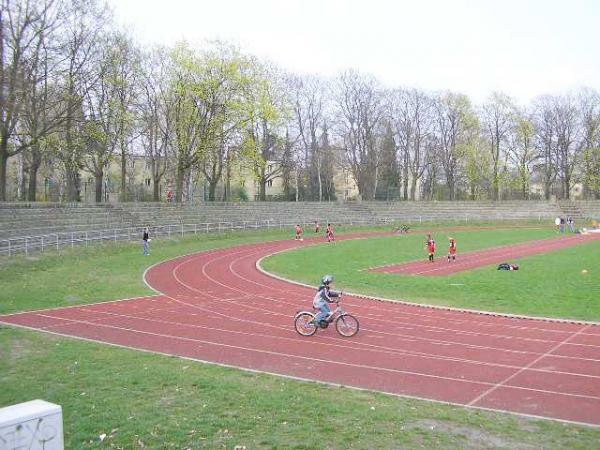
(473, 260)
(217, 307)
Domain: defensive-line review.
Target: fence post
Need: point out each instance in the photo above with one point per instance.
(206, 227)
(466, 218)
(72, 239)
(9, 247)
(169, 230)
(181, 230)
(195, 228)
(42, 244)
(86, 239)
(420, 219)
(26, 249)
(115, 235)
(57, 242)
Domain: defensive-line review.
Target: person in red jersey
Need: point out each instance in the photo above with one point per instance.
(298, 233)
(430, 246)
(329, 233)
(452, 250)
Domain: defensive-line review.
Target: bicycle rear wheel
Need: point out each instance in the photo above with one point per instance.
(347, 325)
(305, 324)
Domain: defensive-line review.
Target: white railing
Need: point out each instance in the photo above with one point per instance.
(59, 240)
(56, 241)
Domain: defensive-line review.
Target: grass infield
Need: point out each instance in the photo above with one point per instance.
(141, 400)
(547, 285)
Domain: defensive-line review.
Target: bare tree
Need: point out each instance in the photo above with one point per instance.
(154, 113)
(360, 108)
(589, 106)
(497, 118)
(568, 150)
(521, 150)
(413, 120)
(24, 27)
(457, 126)
(545, 142)
(81, 32)
(309, 104)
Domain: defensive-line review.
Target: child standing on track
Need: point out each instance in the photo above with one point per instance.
(452, 250)
(430, 246)
(298, 233)
(329, 233)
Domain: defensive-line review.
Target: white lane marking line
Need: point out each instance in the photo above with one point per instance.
(506, 380)
(326, 361)
(349, 345)
(308, 380)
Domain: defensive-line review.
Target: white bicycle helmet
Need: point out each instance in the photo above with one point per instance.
(327, 279)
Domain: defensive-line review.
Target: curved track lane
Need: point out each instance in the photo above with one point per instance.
(218, 307)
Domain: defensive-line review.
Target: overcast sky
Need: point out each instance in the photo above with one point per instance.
(524, 48)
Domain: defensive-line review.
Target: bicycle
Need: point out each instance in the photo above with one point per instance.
(345, 324)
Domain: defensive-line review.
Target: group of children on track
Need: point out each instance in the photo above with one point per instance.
(329, 234)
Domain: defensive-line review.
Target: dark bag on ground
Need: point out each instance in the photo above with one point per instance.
(507, 266)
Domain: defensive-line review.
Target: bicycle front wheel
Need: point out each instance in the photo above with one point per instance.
(305, 324)
(347, 325)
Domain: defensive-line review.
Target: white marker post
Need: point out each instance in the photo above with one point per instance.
(34, 425)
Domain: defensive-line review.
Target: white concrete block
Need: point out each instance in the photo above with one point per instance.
(34, 425)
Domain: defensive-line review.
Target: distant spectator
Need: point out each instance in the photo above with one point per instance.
(317, 227)
(169, 196)
(571, 224)
(562, 225)
(557, 223)
(146, 239)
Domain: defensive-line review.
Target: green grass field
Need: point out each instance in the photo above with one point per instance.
(548, 285)
(141, 400)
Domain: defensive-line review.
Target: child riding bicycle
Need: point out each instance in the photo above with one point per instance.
(323, 297)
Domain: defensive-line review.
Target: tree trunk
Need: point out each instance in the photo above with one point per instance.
(320, 181)
(451, 188)
(98, 178)
(73, 180)
(262, 190)
(36, 162)
(155, 190)
(179, 182)
(547, 190)
(212, 188)
(124, 195)
(21, 178)
(3, 167)
(413, 188)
